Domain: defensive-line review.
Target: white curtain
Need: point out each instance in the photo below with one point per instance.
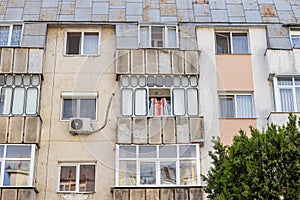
(286, 97)
(31, 101)
(179, 101)
(298, 98)
(18, 101)
(226, 107)
(5, 100)
(244, 106)
(16, 35)
(140, 102)
(192, 104)
(240, 43)
(222, 43)
(172, 39)
(4, 32)
(90, 44)
(127, 101)
(144, 36)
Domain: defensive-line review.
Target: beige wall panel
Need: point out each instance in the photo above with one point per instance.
(6, 60)
(196, 129)
(164, 62)
(191, 62)
(137, 194)
(231, 127)
(168, 130)
(20, 60)
(151, 62)
(9, 194)
(234, 72)
(137, 62)
(166, 194)
(140, 135)
(177, 62)
(124, 130)
(152, 194)
(154, 125)
(121, 194)
(181, 193)
(3, 129)
(36, 58)
(32, 130)
(123, 61)
(16, 130)
(26, 194)
(195, 194)
(182, 130)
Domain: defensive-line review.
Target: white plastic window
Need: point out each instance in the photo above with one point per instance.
(83, 43)
(295, 37)
(10, 35)
(232, 43)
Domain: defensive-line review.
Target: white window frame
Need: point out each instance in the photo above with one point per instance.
(165, 41)
(157, 161)
(26, 87)
(10, 33)
(31, 160)
(81, 49)
(230, 45)
(78, 96)
(278, 104)
(77, 165)
(294, 32)
(234, 96)
(170, 88)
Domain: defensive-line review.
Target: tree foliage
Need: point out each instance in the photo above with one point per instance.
(264, 166)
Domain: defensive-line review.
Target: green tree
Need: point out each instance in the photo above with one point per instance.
(263, 166)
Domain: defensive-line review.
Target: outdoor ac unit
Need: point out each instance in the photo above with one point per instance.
(80, 126)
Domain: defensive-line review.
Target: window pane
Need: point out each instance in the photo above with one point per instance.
(172, 37)
(184, 81)
(67, 178)
(18, 80)
(87, 178)
(2, 79)
(226, 107)
(16, 35)
(147, 173)
(298, 98)
(157, 36)
(127, 101)
(127, 173)
(222, 43)
(90, 44)
(1, 151)
(167, 151)
(142, 81)
(35, 80)
(286, 97)
(31, 101)
(168, 173)
(177, 81)
(5, 100)
(9, 80)
(18, 151)
(4, 32)
(187, 151)
(297, 81)
(88, 108)
(147, 152)
(244, 106)
(73, 43)
(26, 80)
(133, 81)
(140, 105)
(127, 151)
(240, 43)
(168, 81)
(17, 173)
(193, 81)
(179, 101)
(144, 36)
(192, 97)
(125, 81)
(18, 101)
(69, 108)
(284, 81)
(188, 172)
(296, 41)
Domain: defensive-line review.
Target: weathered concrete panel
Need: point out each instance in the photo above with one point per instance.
(182, 130)
(154, 125)
(168, 130)
(32, 130)
(20, 60)
(33, 41)
(16, 127)
(3, 129)
(121, 194)
(9, 194)
(124, 130)
(191, 62)
(27, 194)
(167, 194)
(140, 130)
(127, 43)
(38, 29)
(137, 194)
(151, 62)
(152, 194)
(196, 129)
(36, 58)
(177, 62)
(164, 62)
(137, 62)
(6, 60)
(181, 193)
(195, 194)
(122, 61)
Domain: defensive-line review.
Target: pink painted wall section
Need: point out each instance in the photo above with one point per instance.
(230, 127)
(234, 72)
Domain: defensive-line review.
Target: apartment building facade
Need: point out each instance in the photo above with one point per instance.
(120, 99)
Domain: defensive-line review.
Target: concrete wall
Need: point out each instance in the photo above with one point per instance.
(77, 73)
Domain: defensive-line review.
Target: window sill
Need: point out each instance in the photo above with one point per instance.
(70, 192)
(77, 55)
(20, 187)
(233, 54)
(159, 48)
(238, 118)
(156, 187)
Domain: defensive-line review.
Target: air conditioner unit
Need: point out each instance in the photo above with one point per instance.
(80, 126)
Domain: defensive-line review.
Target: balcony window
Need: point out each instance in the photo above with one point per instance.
(158, 165)
(159, 95)
(82, 43)
(295, 37)
(231, 43)
(10, 35)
